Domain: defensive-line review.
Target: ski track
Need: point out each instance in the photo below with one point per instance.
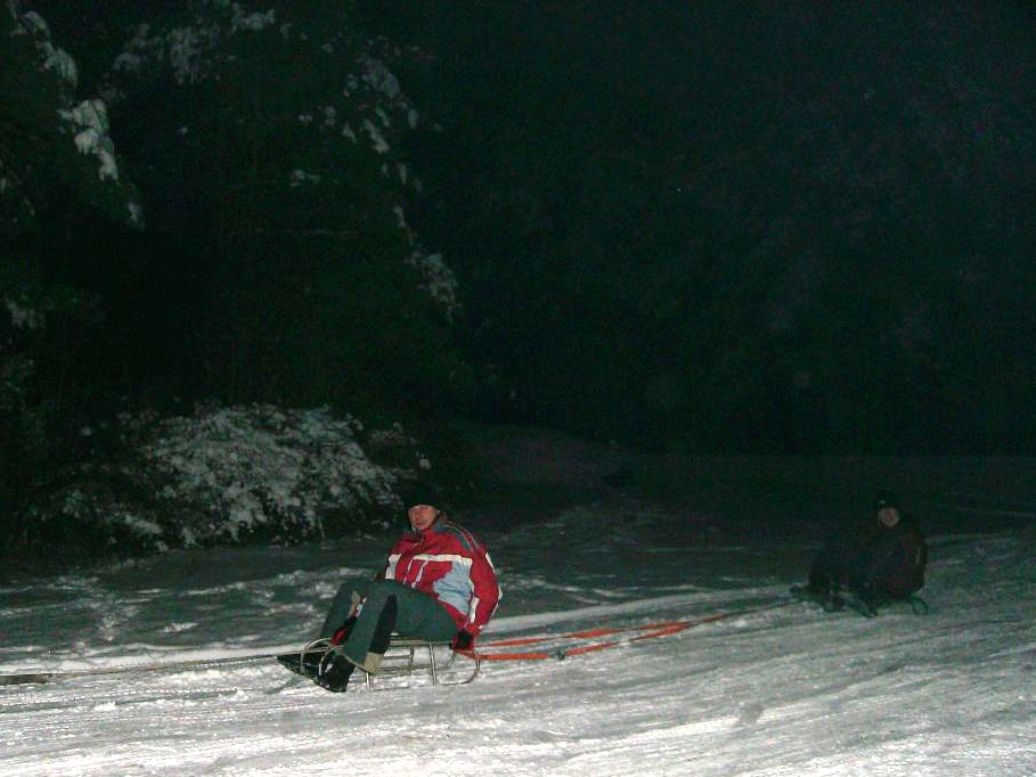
(788, 690)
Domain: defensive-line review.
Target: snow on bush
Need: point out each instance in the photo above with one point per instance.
(261, 469)
(229, 475)
(90, 122)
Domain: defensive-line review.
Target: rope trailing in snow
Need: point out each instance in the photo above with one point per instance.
(491, 651)
(46, 676)
(585, 641)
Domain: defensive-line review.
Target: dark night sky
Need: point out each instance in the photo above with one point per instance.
(757, 226)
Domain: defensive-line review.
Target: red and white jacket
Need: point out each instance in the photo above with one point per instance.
(447, 562)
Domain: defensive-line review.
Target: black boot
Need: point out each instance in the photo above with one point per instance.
(335, 677)
(306, 664)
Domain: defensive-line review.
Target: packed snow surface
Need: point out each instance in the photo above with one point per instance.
(773, 688)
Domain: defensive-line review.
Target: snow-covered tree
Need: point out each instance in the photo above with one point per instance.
(49, 132)
(56, 154)
(273, 152)
(277, 264)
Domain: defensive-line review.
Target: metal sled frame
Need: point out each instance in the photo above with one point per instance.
(403, 658)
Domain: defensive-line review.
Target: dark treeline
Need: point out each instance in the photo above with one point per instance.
(742, 226)
(695, 226)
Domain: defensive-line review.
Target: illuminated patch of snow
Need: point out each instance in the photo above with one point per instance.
(35, 24)
(377, 139)
(301, 177)
(185, 48)
(260, 466)
(380, 78)
(61, 62)
(252, 22)
(53, 58)
(24, 317)
(90, 119)
(400, 218)
(788, 690)
(439, 281)
(128, 61)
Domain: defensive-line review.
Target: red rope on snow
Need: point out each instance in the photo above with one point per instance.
(650, 631)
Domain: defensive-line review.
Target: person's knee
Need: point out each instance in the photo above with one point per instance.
(344, 592)
(379, 592)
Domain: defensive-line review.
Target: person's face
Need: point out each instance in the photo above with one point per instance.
(888, 516)
(422, 516)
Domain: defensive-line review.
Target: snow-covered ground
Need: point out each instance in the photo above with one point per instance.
(787, 690)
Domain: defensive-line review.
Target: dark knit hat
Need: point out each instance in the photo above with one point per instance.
(885, 499)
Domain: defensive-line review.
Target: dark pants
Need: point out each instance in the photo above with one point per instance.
(389, 607)
(838, 567)
(843, 569)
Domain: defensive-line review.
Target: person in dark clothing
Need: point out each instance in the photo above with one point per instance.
(881, 561)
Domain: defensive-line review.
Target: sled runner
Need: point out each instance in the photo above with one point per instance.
(836, 602)
(404, 657)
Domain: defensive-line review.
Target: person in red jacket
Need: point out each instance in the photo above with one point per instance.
(438, 584)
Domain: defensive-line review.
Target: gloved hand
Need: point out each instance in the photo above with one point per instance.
(462, 640)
